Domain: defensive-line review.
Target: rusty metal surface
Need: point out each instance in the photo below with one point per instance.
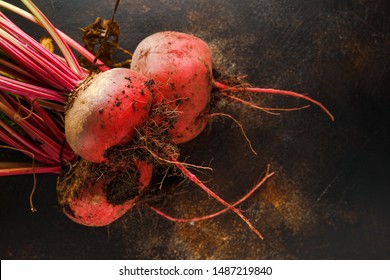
(329, 197)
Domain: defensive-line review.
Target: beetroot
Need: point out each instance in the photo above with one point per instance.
(105, 111)
(91, 203)
(180, 65)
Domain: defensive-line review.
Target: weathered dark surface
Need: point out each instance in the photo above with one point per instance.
(329, 197)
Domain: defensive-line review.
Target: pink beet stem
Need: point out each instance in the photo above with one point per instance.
(29, 170)
(37, 49)
(17, 72)
(47, 144)
(72, 43)
(16, 140)
(32, 91)
(62, 45)
(24, 146)
(36, 115)
(31, 61)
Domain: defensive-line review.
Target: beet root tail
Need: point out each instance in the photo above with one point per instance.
(222, 87)
(215, 214)
(199, 183)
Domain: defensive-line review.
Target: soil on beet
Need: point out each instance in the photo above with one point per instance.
(120, 173)
(152, 143)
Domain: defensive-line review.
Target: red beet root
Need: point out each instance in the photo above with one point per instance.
(105, 112)
(90, 205)
(180, 65)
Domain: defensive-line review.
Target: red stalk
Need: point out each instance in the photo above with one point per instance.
(26, 113)
(26, 62)
(17, 72)
(8, 169)
(30, 170)
(20, 143)
(50, 60)
(48, 121)
(37, 64)
(52, 148)
(72, 43)
(63, 46)
(28, 90)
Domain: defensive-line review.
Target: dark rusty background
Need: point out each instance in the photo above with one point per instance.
(329, 198)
